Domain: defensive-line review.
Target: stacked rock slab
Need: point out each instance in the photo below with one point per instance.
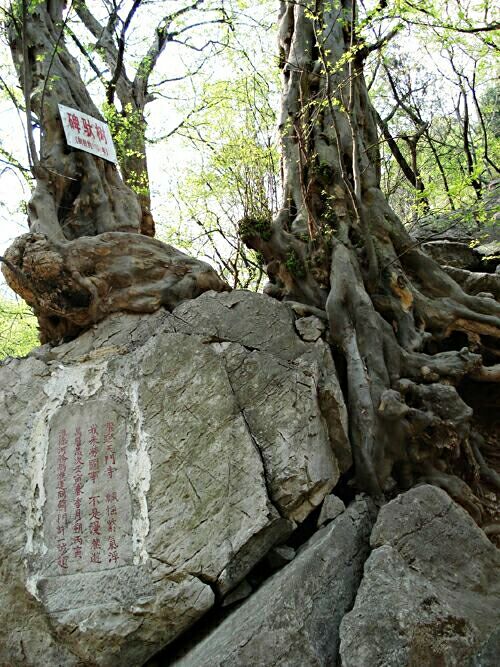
(427, 596)
(148, 465)
(430, 592)
(294, 618)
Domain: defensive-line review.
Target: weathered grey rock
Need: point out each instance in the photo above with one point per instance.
(331, 402)
(331, 508)
(293, 619)
(462, 238)
(242, 591)
(453, 253)
(295, 449)
(279, 556)
(255, 321)
(430, 590)
(476, 283)
(25, 633)
(310, 328)
(487, 654)
(146, 465)
(489, 250)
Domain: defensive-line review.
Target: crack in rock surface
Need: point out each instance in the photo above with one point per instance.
(294, 618)
(144, 472)
(430, 591)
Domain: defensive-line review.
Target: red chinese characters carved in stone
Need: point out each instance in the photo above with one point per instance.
(62, 508)
(77, 490)
(93, 465)
(95, 529)
(112, 514)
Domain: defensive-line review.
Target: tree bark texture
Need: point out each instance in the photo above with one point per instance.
(74, 284)
(84, 256)
(77, 194)
(133, 97)
(406, 336)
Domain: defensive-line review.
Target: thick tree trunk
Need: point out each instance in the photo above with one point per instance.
(134, 167)
(404, 333)
(77, 194)
(84, 256)
(128, 122)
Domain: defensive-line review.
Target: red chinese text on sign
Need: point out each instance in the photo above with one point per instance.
(87, 133)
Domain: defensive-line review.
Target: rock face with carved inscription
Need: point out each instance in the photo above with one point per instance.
(165, 498)
(148, 466)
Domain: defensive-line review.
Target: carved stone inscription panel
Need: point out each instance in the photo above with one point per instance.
(87, 513)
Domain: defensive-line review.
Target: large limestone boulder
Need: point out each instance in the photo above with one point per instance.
(430, 591)
(454, 253)
(148, 465)
(294, 618)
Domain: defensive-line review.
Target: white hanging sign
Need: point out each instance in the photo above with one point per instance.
(87, 133)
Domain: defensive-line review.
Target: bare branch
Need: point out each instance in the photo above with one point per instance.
(489, 27)
(413, 176)
(18, 108)
(369, 48)
(121, 50)
(106, 46)
(86, 54)
(32, 152)
(162, 37)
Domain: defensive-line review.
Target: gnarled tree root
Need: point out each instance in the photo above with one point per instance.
(474, 282)
(74, 284)
(406, 335)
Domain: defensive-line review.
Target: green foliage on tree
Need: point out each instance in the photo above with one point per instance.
(233, 177)
(435, 89)
(127, 128)
(18, 329)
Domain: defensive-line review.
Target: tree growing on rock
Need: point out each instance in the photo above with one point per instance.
(85, 255)
(410, 344)
(408, 340)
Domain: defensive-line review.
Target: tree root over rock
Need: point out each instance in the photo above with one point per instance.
(405, 333)
(74, 284)
(407, 419)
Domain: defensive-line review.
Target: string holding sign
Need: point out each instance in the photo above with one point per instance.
(87, 133)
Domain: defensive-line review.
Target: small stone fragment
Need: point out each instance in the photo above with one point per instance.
(280, 556)
(310, 328)
(332, 507)
(241, 592)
